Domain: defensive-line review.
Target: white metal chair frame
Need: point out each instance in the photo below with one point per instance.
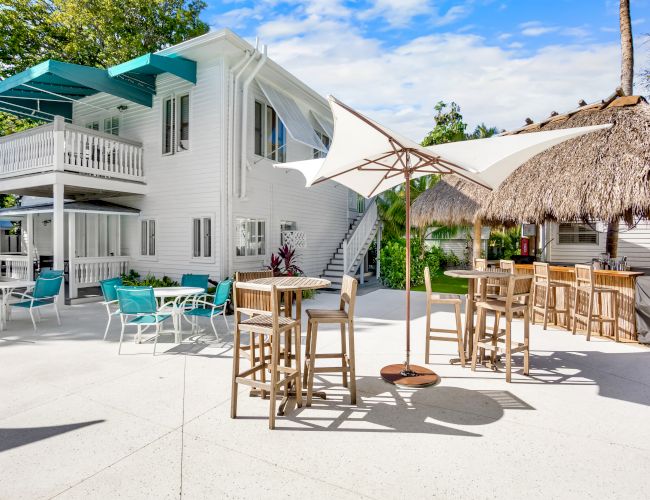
(26, 296)
(196, 302)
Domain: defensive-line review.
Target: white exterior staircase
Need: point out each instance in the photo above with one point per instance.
(349, 255)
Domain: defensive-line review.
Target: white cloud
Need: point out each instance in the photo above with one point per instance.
(399, 85)
(396, 14)
(535, 28)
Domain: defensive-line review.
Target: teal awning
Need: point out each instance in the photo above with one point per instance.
(143, 69)
(51, 87)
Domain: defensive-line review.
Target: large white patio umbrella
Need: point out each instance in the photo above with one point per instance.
(369, 159)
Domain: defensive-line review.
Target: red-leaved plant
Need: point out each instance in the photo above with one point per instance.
(287, 256)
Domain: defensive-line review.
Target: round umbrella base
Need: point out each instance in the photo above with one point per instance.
(417, 376)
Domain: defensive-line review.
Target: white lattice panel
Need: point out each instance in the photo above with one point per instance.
(295, 239)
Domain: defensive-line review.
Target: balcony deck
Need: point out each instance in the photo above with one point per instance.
(80, 153)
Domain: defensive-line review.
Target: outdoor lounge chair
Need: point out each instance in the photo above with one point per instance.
(195, 281)
(109, 292)
(204, 309)
(138, 307)
(43, 294)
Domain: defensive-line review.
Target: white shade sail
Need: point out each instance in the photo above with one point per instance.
(369, 158)
(294, 120)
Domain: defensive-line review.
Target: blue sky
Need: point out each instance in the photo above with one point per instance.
(501, 60)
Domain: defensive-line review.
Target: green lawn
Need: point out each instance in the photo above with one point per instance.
(446, 284)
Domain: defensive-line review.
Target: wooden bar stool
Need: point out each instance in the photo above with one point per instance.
(516, 300)
(458, 331)
(493, 284)
(342, 317)
(543, 282)
(586, 283)
(271, 325)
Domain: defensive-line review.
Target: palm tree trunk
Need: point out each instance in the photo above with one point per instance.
(627, 48)
(627, 84)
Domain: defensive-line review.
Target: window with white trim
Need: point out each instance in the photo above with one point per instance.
(148, 237)
(94, 125)
(112, 125)
(270, 134)
(326, 142)
(201, 237)
(250, 237)
(176, 124)
(577, 233)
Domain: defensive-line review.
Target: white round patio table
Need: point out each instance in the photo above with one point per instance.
(176, 293)
(7, 287)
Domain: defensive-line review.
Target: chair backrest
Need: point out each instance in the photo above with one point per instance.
(480, 264)
(540, 271)
(519, 285)
(108, 288)
(222, 294)
(507, 266)
(427, 281)
(136, 300)
(47, 287)
(250, 298)
(195, 280)
(348, 294)
(584, 275)
(243, 291)
(50, 273)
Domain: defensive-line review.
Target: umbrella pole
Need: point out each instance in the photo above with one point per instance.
(407, 375)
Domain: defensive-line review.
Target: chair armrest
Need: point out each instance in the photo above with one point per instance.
(22, 295)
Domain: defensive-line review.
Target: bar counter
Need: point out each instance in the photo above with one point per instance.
(623, 281)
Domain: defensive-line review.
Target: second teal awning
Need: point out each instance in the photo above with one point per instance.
(143, 69)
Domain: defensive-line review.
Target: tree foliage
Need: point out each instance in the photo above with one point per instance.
(97, 33)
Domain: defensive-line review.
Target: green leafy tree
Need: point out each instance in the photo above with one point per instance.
(97, 33)
(449, 125)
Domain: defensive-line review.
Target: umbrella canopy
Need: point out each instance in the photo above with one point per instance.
(601, 176)
(369, 159)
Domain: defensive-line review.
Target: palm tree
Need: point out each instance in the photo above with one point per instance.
(627, 84)
(482, 131)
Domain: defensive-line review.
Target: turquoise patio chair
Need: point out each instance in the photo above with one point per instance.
(138, 307)
(205, 309)
(195, 281)
(109, 292)
(50, 273)
(43, 294)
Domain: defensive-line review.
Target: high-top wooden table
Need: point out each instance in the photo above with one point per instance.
(292, 286)
(474, 278)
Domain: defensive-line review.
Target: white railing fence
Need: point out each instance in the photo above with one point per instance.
(62, 146)
(89, 271)
(14, 266)
(354, 244)
(95, 153)
(28, 151)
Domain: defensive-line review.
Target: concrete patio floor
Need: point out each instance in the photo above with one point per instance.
(79, 421)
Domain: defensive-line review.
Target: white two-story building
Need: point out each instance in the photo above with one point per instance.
(164, 164)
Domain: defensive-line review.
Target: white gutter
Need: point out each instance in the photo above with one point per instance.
(243, 154)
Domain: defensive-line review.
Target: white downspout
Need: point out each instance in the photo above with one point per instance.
(228, 166)
(243, 158)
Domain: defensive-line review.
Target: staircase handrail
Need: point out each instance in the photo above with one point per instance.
(353, 244)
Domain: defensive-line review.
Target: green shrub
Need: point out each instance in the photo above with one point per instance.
(393, 263)
(133, 279)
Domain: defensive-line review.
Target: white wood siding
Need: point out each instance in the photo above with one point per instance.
(633, 243)
(182, 185)
(280, 194)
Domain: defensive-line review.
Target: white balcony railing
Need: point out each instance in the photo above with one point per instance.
(356, 242)
(65, 147)
(89, 271)
(14, 266)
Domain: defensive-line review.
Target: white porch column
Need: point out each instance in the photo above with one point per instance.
(28, 241)
(58, 232)
(72, 253)
(378, 246)
(59, 142)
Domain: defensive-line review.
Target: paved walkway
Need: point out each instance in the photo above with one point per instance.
(79, 421)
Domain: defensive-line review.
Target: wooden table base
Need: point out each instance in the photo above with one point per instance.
(423, 377)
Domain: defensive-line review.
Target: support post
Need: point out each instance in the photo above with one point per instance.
(58, 232)
(28, 241)
(59, 142)
(476, 243)
(72, 254)
(378, 246)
